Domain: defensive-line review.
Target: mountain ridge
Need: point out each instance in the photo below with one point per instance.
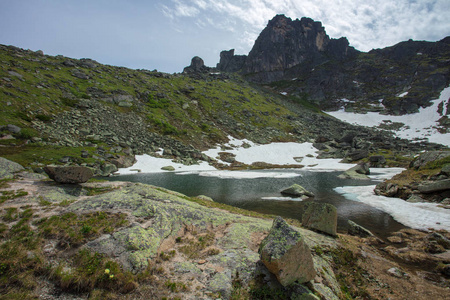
(298, 58)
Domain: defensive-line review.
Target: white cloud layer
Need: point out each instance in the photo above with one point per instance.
(367, 24)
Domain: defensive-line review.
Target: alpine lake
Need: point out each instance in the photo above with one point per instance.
(262, 194)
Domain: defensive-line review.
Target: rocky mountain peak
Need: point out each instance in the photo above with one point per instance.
(285, 44)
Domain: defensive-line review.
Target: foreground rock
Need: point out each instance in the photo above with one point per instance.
(69, 174)
(8, 168)
(358, 230)
(321, 217)
(358, 172)
(297, 190)
(285, 253)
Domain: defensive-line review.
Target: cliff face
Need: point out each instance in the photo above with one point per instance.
(285, 44)
(300, 59)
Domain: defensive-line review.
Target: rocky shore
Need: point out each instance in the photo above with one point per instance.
(118, 239)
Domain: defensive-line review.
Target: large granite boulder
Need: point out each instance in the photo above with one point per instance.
(69, 174)
(321, 217)
(359, 172)
(297, 190)
(8, 168)
(286, 255)
(124, 161)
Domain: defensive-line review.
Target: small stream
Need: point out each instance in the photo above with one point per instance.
(262, 194)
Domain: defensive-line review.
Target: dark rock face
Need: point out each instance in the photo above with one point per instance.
(197, 66)
(71, 174)
(230, 62)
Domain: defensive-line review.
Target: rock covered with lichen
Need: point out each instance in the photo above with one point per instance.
(285, 253)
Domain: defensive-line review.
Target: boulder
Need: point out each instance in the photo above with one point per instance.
(8, 168)
(321, 217)
(297, 190)
(446, 170)
(69, 174)
(13, 128)
(123, 161)
(437, 186)
(286, 255)
(358, 230)
(107, 169)
(358, 172)
(168, 168)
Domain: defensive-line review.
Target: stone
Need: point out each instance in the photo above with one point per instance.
(107, 169)
(69, 174)
(415, 199)
(321, 217)
(286, 255)
(396, 272)
(437, 186)
(13, 128)
(123, 161)
(8, 168)
(297, 190)
(205, 198)
(358, 230)
(168, 168)
(446, 170)
(358, 172)
(377, 161)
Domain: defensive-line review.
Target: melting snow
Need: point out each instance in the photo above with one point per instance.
(415, 215)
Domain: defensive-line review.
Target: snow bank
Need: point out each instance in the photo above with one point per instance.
(414, 215)
(421, 125)
(244, 174)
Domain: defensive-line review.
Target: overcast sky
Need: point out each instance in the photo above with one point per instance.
(166, 34)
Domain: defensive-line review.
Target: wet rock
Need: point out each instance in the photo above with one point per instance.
(321, 217)
(8, 168)
(358, 230)
(286, 255)
(297, 190)
(69, 174)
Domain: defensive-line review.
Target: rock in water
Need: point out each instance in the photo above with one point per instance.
(321, 217)
(359, 171)
(358, 230)
(7, 168)
(69, 174)
(297, 190)
(286, 255)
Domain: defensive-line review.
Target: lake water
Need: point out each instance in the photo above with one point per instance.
(262, 194)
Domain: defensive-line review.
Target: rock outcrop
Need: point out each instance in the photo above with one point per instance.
(8, 168)
(285, 253)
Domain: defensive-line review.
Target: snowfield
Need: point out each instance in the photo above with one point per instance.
(421, 125)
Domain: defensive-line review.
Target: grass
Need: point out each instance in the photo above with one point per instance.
(9, 195)
(22, 260)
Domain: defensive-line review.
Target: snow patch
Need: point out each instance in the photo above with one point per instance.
(415, 215)
(246, 174)
(422, 125)
(402, 94)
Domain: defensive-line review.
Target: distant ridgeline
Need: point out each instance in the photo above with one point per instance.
(299, 59)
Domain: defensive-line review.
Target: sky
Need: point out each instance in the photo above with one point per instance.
(166, 34)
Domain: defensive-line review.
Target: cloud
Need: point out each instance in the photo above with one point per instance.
(367, 25)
